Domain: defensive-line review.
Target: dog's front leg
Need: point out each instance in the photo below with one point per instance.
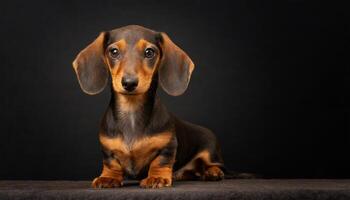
(161, 168)
(159, 175)
(111, 176)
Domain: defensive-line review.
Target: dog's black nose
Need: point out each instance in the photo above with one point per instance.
(129, 83)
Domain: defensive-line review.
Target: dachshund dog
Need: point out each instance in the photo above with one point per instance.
(138, 136)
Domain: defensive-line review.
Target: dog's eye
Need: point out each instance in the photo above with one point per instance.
(114, 52)
(149, 53)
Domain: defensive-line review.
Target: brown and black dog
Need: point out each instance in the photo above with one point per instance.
(139, 137)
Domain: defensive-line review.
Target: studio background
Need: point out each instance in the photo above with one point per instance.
(271, 80)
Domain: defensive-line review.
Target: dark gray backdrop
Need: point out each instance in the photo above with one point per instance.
(270, 80)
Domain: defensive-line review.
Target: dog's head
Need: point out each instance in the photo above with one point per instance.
(133, 55)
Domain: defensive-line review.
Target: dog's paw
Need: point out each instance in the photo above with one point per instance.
(106, 182)
(213, 173)
(155, 182)
(178, 176)
(185, 175)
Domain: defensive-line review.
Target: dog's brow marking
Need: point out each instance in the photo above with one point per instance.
(121, 44)
(141, 44)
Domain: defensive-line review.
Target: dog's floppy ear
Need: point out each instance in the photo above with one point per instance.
(90, 67)
(175, 67)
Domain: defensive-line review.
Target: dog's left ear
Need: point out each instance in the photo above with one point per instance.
(90, 67)
(175, 67)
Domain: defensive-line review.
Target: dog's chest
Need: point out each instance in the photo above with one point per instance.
(138, 153)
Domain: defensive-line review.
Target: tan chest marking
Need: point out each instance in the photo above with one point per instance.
(140, 152)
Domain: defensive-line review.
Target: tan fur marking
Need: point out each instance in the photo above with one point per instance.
(204, 156)
(111, 176)
(113, 143)
(112, 170)
(130, 103)
(160, 171)
(158, 176)
(140, 151)
(121, 44)
(117, 69)
(141, 44)
(153, 142)
(144, 72)
(214, 170)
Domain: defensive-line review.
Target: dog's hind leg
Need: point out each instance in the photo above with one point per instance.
(201, 167)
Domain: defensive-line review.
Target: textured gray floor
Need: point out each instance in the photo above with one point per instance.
(228, 189)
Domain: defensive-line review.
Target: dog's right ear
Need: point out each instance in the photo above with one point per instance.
(90, 66)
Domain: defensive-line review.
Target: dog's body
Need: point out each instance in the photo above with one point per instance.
(139, 137)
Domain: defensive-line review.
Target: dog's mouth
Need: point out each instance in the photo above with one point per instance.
(129, 93)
